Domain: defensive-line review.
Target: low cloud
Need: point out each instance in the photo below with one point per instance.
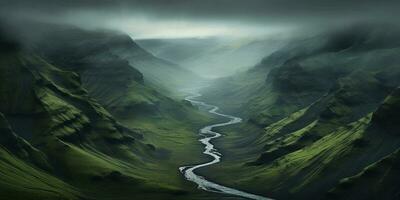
(195, 18)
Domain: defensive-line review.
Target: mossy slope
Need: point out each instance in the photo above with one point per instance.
(317, 118)
(68, 107)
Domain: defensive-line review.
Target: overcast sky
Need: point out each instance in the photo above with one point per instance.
(202, 18)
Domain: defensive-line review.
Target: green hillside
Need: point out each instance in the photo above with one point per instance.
(77, 121)
(309, 120)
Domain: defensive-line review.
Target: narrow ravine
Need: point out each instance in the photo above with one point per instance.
(208, 134)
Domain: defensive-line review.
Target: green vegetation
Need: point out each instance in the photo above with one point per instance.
(324, 111)
(80, 126)
(377, 181)
(78, 120)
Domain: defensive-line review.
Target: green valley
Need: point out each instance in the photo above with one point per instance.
(199, 100)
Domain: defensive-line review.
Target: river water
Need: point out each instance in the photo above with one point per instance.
(208, 135)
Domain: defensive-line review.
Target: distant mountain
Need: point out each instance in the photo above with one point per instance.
(160, 73)
(212, 57)
(318, 111)
(78, 121)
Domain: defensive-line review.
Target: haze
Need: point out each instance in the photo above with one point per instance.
(227, 27)
(199, 99)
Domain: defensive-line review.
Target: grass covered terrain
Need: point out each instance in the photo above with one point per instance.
(78, 120)
(325, 111)
(82, 124)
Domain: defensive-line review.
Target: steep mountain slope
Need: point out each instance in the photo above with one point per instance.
(73, 108)
(304, 70)
(123, 91)
(66, 43)
(49, 108)
(22, 175)
(160, 72)
(214, 56)
(309, 122)
(379, 180)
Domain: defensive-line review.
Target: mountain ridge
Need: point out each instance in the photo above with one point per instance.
(312, 116)
(65, 132)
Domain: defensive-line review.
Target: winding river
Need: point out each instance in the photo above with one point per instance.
(208, 134)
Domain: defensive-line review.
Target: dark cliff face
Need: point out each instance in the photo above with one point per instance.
(387, 115)
(80, 50)
(7, 44)
(316, 66)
